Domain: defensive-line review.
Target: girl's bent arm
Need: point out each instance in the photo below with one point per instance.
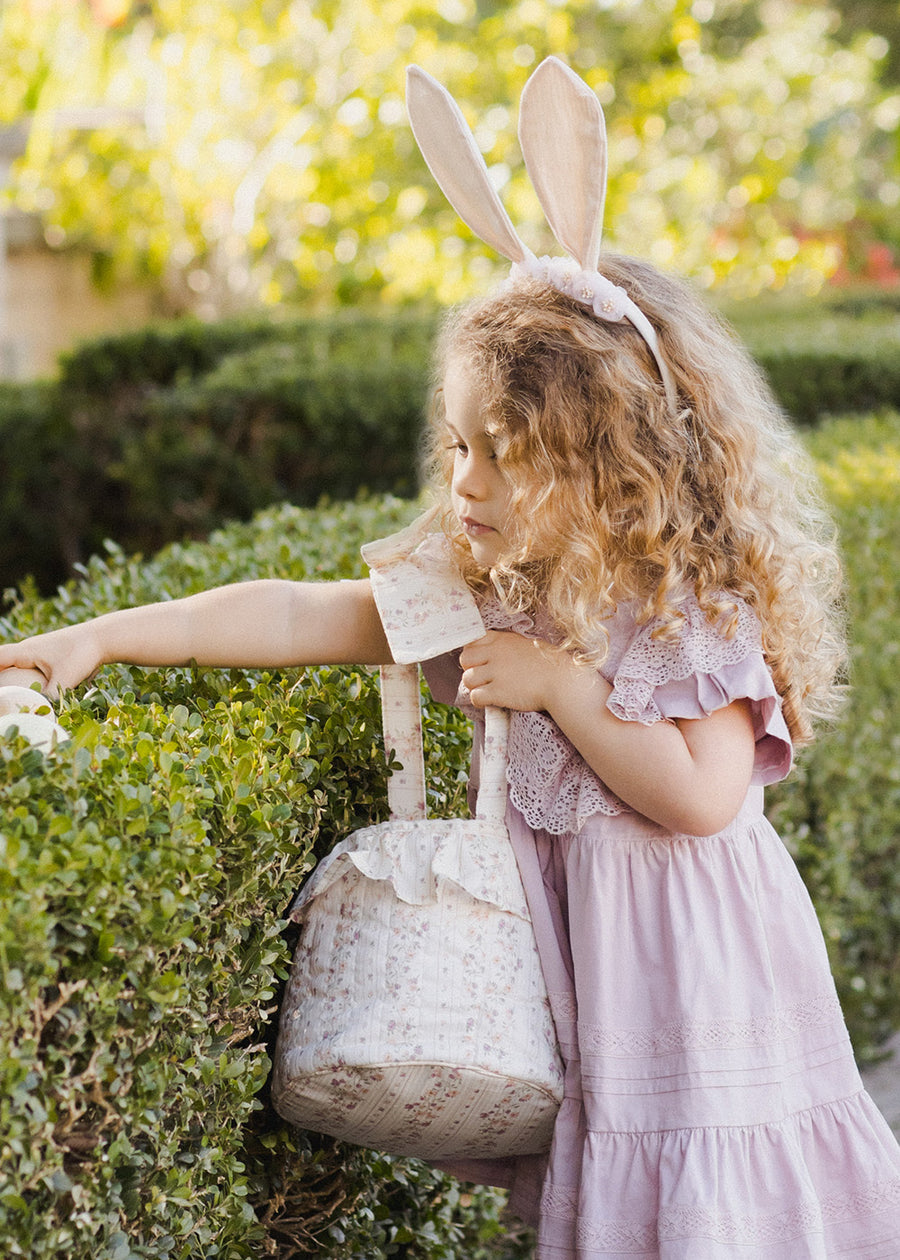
(689, 776)
(247, 624)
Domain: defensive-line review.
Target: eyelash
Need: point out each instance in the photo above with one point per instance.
(461, 446)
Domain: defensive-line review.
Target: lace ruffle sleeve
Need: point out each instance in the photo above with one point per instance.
(700, 672)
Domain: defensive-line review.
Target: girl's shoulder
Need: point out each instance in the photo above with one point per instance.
(698, 665)
(692, 641)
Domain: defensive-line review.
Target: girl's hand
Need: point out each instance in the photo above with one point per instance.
(511, 672)
(62, 658)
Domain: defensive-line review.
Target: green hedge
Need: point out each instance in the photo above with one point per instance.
(826, 358)
(840, 811)
(146, 868)
(165, 433)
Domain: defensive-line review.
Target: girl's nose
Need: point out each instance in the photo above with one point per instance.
(468, 481)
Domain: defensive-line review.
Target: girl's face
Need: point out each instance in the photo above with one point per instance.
(479, 490)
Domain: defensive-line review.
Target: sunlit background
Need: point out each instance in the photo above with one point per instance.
(213, 155)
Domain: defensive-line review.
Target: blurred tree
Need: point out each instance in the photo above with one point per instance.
(882, 17)
(259, 149)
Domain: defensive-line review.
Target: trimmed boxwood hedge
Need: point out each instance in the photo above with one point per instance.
(840, 811)
(166, 433)
(163, 434)
(145, 874)
(147, 866)
(827, 358)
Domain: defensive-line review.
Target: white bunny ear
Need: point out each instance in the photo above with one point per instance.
(563, 137)
(455, 161)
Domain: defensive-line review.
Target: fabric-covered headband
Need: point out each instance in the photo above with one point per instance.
(563, 138)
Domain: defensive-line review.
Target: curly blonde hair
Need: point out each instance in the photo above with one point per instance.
(626, 499)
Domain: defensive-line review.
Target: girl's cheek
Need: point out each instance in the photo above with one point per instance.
(512, 524)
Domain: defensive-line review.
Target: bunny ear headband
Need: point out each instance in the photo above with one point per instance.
(563, 139)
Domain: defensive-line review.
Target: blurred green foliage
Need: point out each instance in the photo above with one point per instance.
(165, 433)
(840, 811)
(252, 152)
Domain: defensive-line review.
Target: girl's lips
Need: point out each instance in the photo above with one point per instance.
(475, 528)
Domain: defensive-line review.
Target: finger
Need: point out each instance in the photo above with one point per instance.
(477, 676)
(52, 688)
(471, 656)
(478, 698)
(24, 664)
(12, 656)
(479, 649)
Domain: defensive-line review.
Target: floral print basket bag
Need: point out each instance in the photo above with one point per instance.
(416, 1019)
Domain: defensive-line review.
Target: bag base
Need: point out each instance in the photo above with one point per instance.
(428, 1110)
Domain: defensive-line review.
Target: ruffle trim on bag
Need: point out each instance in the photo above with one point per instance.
(419, 858)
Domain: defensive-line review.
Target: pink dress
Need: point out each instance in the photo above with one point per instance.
(713, 1107)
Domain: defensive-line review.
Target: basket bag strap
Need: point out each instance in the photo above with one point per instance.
(402, 718)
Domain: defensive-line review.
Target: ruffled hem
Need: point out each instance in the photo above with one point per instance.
(549, 781)
(822, 1184)
(419, 858)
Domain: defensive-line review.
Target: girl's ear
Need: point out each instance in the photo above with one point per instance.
(457, 164)
(563, 137)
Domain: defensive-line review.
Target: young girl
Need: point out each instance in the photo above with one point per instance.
(662, 628)
(635, 521)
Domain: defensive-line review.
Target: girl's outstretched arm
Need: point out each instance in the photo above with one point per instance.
(247, 624)
(689, 776)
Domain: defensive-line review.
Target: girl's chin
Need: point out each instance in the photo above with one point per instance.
(486, 550)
